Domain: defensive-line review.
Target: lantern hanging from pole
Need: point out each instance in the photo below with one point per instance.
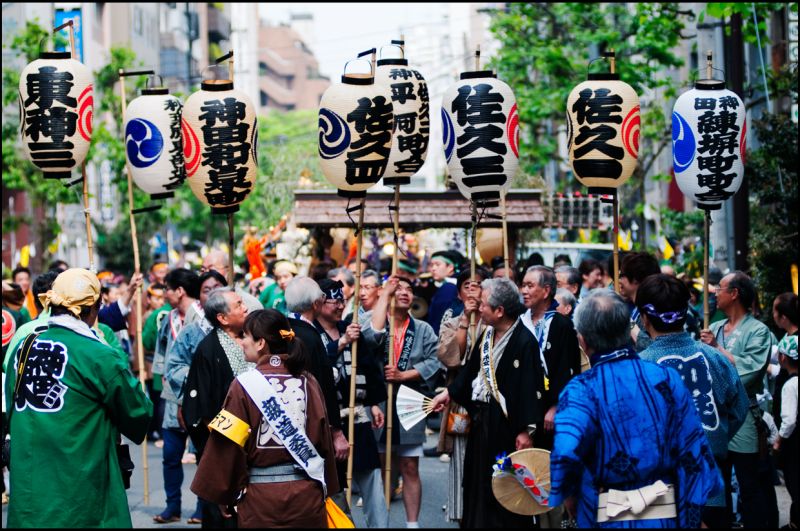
(219, 145)
(480, 124)
(603, 130)
(709, 130)
(153, 144)
(56, 101)
(409, 94)
(356, 121)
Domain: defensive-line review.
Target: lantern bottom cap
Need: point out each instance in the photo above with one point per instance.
(225, 210)
(395, 181)
(601, 190)
(57, 174)
(709, 206)
(350, 194)
(163, 195)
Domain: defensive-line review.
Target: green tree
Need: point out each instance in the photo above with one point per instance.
(18, 172)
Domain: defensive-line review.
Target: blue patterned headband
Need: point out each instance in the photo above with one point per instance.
(666, 317)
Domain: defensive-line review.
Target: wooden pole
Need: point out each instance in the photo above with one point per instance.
(137, 267)
(230, 250)
(230, 67)
(72, 40)
(473, 248)
(88, 216)
(615, 206)
(706, 241)
(506, 264)
(387, 477)
(354, 355)
(477, 57)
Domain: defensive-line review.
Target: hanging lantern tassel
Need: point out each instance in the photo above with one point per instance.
(481, 136)
(56, 101)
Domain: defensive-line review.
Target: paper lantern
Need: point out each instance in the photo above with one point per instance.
(356, 120)
(153, 144)
(708, 143)
(409, 94)
(481, 136)
(603, 131)
(219, 145)
(56, 100)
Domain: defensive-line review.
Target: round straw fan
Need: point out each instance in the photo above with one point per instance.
(509, 490)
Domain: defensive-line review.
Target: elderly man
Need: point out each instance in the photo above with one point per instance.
(75, 396)
(558, 343)
(629, 447)
(569, 277)
(501, 387)
(348, 280)
(566, 302)
(304, 300)
(747, 343)
(718, 394)
(370, 290)
(339, 336)
(415, 365)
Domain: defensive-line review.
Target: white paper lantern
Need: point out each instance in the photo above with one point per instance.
(603, 131)
(56, 102)
(153, 144)
(356, 120)
(481, 136)
(220, 134)
(409, 94)
(709, 129)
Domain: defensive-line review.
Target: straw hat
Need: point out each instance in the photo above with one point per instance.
(510, 493)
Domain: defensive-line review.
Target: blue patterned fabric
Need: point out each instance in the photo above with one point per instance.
(624, 424)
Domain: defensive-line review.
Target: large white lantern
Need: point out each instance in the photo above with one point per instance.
(153, 144)
(56, 101)
(219, 145)
(409, 94)
(603, 131)
(481, 136)
(708, 143)
(356, 120)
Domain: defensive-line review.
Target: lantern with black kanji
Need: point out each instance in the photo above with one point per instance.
(603, 130)
(480, 126)
(153, 144)
(708, 143)
(219, 145)
(355, 133)
(409, 94)
(56, 100)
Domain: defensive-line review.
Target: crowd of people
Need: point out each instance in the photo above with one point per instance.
(631, 395)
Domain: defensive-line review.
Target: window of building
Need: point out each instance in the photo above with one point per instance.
(264, 98)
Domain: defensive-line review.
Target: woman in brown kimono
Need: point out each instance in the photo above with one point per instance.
(245, 463)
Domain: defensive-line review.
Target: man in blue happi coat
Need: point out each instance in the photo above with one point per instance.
(718, 393)
(629, 449)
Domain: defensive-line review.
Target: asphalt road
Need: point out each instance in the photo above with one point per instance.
(434, 494)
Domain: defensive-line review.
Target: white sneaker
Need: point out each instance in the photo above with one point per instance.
(360, 502)
(444, 458)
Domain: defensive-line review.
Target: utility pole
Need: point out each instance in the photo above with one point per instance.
(741, 201)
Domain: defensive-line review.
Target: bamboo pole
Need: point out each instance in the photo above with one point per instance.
(706, 241)
(387, 478)
(88, 216)
(473, 248)
(137, 269)
(354, 355)
(230, 250)
(506, 264)
(615, 206)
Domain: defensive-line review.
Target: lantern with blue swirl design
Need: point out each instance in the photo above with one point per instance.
(356, 120)
(603, 131)
(480, 132)
(153, 144)
(220, 134)
(56, 101)
(409, 94)
(708, 143)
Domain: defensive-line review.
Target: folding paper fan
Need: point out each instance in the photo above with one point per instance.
(412, 406)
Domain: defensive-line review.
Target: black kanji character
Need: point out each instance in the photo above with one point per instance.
(40, 382)
(400, 73)
(417, 143)
(717, 144)
(55, 122)
(475, 138)
(49, 86)
(716, 163)
(229, 111)
(364, 171)
(603, 134)
(728, 102)
(406, 122)
(598, 109)
(402, 92)
(701, 104)
(483, 107)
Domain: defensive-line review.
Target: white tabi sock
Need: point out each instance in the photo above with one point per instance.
(412, 525)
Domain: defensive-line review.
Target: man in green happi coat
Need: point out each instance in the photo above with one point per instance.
(76, 396)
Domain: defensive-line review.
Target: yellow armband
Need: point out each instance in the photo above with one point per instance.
(231, 426)
(546, 383)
